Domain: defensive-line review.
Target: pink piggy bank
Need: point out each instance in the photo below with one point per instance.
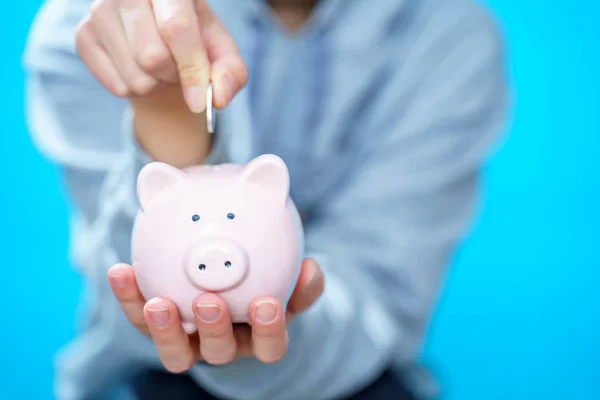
(227, 229)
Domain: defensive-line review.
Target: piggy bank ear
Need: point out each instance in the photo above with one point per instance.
(154, 178)
(270, 172)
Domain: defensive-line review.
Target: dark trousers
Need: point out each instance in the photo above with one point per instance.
(157, 385)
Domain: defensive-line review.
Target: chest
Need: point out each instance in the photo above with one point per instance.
(303, 116)
(308, 101)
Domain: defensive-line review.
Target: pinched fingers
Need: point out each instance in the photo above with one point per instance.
(132, 46)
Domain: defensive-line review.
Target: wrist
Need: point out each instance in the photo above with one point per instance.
(168, 131)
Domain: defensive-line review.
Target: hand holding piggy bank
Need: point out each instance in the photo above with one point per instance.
(227, 229)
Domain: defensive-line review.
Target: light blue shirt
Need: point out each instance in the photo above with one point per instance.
(383, 111)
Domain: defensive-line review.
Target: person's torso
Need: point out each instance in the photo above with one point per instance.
(312, 98)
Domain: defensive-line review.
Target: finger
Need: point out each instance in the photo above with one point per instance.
(178, 26)
(97, 61)
(217, 342)
(110, 33)
(309, 287)
(145, 43)
(229, 73)
(171, 341)
(122, 282)
(269, 334)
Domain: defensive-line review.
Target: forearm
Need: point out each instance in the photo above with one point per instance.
(168, 131)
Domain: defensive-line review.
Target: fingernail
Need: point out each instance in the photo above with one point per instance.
(266, 312)
(119, 281)
(208, 312)
(160, 317)
(196, 98)
(314, 280)
(229, 87)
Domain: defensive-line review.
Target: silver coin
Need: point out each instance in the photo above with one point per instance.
(210, 123)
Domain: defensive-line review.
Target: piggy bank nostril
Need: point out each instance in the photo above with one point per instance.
(228, 264)
(202, 267)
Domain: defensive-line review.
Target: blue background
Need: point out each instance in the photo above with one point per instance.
(520, 316)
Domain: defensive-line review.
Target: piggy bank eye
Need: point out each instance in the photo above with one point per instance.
(195, 217)
(228, 264)
(202, 267)
(231, 216)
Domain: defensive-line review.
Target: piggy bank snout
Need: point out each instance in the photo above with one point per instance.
(216, 264)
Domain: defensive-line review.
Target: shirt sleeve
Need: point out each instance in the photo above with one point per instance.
(385, 237)
(78, 125)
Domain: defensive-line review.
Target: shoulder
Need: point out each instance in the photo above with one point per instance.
(441, 62)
